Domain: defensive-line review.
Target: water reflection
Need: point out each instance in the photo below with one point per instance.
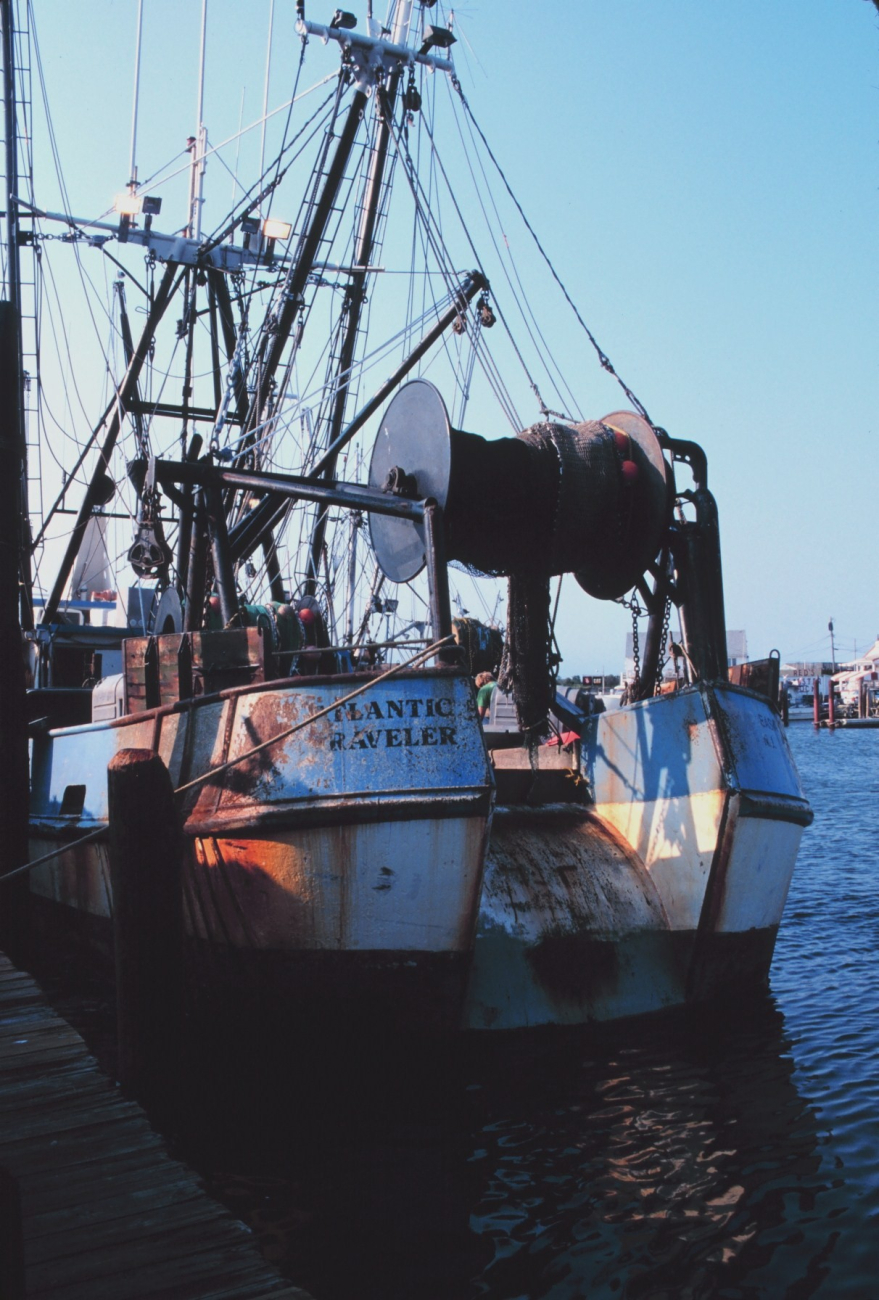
(668, 1157)
(675, 1159)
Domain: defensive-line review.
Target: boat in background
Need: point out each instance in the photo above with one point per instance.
(357, 842)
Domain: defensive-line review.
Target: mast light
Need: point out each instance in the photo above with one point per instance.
(273, 229)
(439, 38)
(128, 204)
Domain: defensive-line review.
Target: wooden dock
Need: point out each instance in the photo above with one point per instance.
(105, 1211)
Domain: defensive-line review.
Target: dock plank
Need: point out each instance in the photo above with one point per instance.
(106, 1210)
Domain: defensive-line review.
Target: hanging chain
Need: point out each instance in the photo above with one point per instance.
(636, 649)
(637, 611)
(663, 646)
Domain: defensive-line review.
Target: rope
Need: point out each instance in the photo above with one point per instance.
(56, 853)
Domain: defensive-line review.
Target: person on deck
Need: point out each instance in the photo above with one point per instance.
(485, 688)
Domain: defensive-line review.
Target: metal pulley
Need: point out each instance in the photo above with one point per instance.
(150, 555)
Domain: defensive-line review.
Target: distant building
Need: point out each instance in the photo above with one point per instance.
(736, 648)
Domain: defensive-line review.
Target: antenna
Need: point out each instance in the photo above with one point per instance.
(132, 168)
(198, 143)
(265, 93)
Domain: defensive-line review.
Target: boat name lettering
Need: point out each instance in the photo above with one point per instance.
(394, 738)
(374, 710)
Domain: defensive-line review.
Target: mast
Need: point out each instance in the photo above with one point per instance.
(15, 593)
(132, 168)
(13, 285)
(274, 343)
(198, 143)
(355, 297)
(297, 279)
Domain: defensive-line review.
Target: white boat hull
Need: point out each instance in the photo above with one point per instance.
(358, 840)
(352, 865)
(695, 818)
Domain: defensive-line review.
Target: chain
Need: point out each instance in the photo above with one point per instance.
(663, 644)
(636, 649)
(637, 611)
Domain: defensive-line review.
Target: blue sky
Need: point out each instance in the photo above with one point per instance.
(705, 178)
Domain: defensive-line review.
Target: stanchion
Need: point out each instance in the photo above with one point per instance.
(146, 851)
(12, 1279)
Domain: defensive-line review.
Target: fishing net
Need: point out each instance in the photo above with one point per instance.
(526, 671)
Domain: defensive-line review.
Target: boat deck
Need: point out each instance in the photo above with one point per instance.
(105, 1211)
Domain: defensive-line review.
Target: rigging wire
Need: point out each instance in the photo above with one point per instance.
(603, 358)
(437, 246)
(546, 355)
(500, 314)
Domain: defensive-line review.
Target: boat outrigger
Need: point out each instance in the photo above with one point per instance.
(354, 834)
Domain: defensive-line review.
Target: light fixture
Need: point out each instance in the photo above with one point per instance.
(437, 37)
(273, 229)
(128, 204)
(131, 204)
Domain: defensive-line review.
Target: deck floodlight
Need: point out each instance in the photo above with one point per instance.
(129, 204)
(341, 18)
(152, 205)
(273, 229)
(437, 37)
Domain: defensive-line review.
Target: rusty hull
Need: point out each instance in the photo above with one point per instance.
(361, 835)
(668, 888)
(348, 860)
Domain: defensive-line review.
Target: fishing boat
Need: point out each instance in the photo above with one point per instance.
(286, 439)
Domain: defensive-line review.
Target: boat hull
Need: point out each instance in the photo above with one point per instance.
(688, 845)
(345, 860)
(338, 873)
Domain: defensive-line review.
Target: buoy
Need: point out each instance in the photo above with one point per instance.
(629, 471)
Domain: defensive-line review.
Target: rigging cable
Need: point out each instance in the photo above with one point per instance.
(546, 356)
(603, 358)
(439, 250)
(544, 410)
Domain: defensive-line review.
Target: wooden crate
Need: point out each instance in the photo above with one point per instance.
(162, 670)
(233, 657)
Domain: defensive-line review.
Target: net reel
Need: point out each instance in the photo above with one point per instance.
(590, 499)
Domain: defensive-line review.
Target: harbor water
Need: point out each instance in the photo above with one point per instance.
(732, 1154)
